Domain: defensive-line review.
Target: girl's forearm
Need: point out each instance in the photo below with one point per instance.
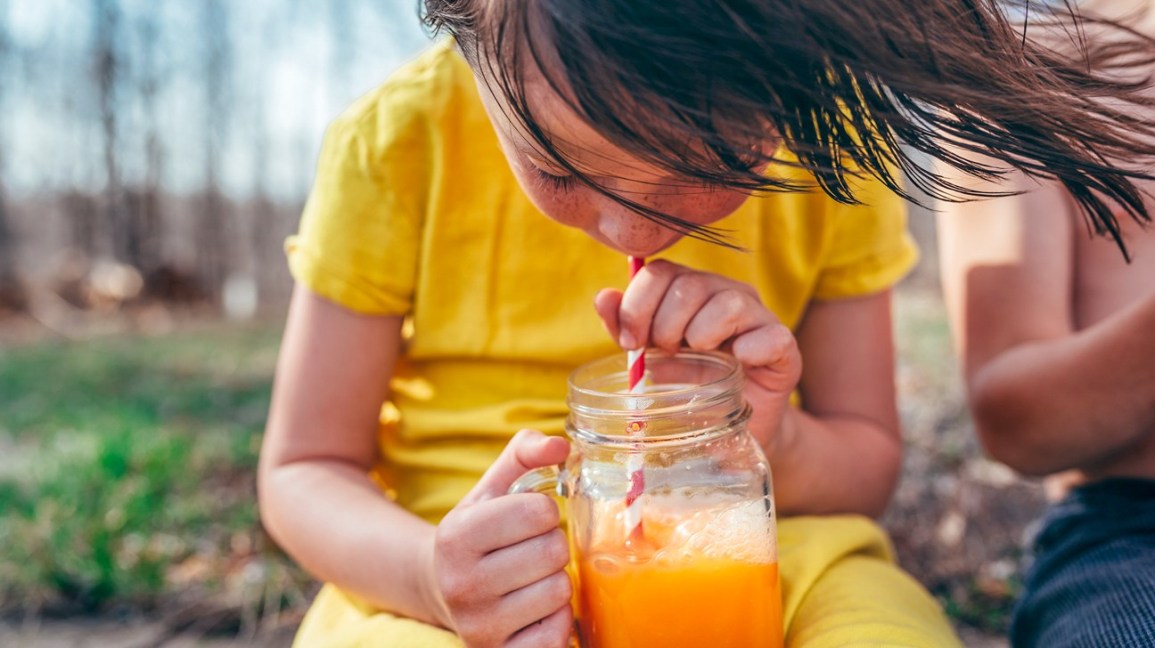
(825, 465)
(339, 526)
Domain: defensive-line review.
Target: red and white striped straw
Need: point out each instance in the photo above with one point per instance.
(636, 361)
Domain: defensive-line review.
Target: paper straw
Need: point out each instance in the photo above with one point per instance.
(636, 361)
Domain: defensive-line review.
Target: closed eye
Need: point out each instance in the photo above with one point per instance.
(558, 183)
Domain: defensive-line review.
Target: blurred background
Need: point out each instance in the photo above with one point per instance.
(160, 150)
(154, 154)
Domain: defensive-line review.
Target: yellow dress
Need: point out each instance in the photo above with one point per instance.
(415, 212)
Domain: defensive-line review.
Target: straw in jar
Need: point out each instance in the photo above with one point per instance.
(636, 364)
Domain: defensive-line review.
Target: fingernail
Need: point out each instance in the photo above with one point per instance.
(627, 340)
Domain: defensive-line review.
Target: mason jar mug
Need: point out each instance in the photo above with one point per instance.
(670, 507)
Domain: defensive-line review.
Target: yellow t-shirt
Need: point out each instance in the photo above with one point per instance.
(415, 212)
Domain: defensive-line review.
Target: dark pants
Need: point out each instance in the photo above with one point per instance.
(1092, 583)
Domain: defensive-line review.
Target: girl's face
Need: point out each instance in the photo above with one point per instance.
(569, 202)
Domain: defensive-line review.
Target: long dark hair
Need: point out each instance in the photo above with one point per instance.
(694, 86)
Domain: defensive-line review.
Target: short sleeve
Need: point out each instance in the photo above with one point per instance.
(870, 248)
(358, 241)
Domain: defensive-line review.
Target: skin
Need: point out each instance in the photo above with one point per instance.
(1054, 330)
(492, 570)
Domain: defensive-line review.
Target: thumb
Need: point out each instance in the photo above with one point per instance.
(528, 449)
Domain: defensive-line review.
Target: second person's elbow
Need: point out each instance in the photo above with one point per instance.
(1008, 426)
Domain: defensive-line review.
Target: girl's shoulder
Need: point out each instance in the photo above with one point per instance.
(433, 87)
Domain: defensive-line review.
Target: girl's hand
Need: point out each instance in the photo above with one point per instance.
(670, 306)
(499, 560)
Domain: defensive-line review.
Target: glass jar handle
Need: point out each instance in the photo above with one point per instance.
(551, 481)
(547, 479)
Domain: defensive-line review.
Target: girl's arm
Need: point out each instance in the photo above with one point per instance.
(1045, 397)
(316, 497)
(840, 455)
(841, 451)
(492, 571)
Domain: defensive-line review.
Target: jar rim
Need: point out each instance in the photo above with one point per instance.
(707, 384)
(618, 362)
(736, 423)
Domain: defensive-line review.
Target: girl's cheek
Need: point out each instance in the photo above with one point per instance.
(724, 204)
(565, 207)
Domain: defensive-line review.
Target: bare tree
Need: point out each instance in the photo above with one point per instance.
(83, 213)
(143, 238)
(265, 240)
(211, 234)
(106, 70)
(12, 295)
(143, 225)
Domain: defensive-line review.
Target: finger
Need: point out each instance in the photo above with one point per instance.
(687, 294)
(527, 450)
(727, 314)
(772, 356)
(496, 524)
(641, 300)
(551, 632)
(526, 562)
(537, 602)
(608, 303)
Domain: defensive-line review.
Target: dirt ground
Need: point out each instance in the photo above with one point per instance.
(103, 633)
(97, 633)
(959, 522)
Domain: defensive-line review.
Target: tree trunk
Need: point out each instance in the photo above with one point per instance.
(212, 240)
(106, 70)
(12, 295)
(146, 233)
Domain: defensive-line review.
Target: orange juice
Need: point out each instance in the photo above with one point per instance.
(710, 602)
(697, 582)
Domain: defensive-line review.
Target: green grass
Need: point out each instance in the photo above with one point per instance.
(126, 469)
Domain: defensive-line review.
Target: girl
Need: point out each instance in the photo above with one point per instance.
(438, 310)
